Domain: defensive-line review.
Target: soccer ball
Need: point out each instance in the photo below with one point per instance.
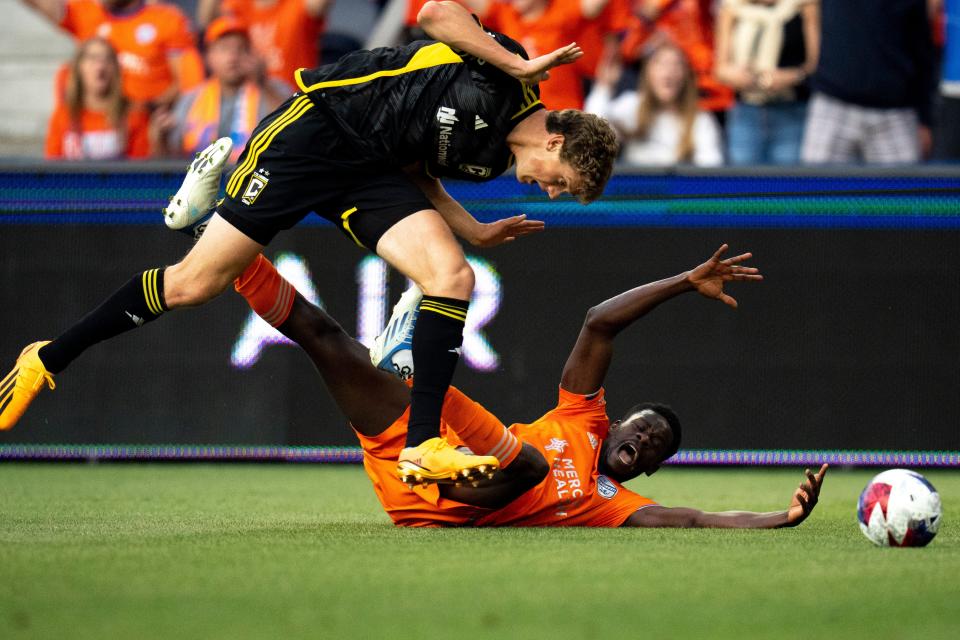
(899, 508)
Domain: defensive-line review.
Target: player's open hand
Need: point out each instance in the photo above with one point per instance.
(505, 230)
(709, 277)
(805, 497)
(537, 69)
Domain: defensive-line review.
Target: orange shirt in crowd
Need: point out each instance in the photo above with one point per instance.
(96, 139)
(560, 24)
(282, 33)
(684, 22)
(612, 21)
(143, 39)
(573, 494)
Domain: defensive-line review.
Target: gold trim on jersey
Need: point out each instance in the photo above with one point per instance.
(432, 55)
(530, 100)
(345, 217)
(262, 140)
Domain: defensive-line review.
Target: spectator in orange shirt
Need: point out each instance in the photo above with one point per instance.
(284, 33)
(229, 104)
(659, 122)
(544, 25)
(154, 42)
(95, 121)
(687, 24)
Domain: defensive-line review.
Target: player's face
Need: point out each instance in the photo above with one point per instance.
(97, 69)
(635, 445)
(544, 168)
(229, 58)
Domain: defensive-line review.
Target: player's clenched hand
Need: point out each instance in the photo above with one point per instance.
(536, 70)
(805, 497)
(709, 277)
(505, 230)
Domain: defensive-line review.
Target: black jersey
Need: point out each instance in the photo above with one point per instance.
(425, 102)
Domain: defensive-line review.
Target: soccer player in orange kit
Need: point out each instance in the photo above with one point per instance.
(565, 469)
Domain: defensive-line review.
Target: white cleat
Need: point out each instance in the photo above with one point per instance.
(198, 193)
(392, 350)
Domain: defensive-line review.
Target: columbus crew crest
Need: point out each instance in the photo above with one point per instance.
(258, 182)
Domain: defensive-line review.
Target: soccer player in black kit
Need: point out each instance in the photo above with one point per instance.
(363, 143)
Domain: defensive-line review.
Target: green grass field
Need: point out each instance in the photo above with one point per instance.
(238, 551)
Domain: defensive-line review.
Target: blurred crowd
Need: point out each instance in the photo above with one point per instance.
(684, 82)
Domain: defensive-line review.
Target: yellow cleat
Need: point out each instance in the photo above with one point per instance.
(22, 385)
(436, 461)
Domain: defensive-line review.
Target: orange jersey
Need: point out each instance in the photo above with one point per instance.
(559, 25)
(144, 40)
(573, 494)
(420, 507)
(282, 33)
(96, 139)
(685, 23)
(612, 21)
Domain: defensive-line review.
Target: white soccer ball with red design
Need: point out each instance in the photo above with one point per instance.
(899, 508)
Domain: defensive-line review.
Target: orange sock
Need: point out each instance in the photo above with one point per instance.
(479, 429)
(268, 293)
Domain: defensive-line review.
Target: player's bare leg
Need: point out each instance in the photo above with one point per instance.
(345, 367)
(372, 399)
(423, 248)
(218, 258)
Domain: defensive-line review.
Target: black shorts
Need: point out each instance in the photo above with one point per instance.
(297, 162)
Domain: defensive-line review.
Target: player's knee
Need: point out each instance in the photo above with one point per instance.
(455, 282)
(181, 288)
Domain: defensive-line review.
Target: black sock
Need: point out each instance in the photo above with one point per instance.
(132, 305)
(436, 349)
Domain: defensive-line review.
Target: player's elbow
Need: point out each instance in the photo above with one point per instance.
(597, 321)
(431, 14)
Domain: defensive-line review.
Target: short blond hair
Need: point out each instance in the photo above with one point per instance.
(589, 146)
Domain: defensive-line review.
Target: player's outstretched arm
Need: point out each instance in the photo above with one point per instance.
(450, 23)
(462, 222)
(804, 500)
(590, 358)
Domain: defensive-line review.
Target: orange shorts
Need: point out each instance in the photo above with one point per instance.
(419, 507)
